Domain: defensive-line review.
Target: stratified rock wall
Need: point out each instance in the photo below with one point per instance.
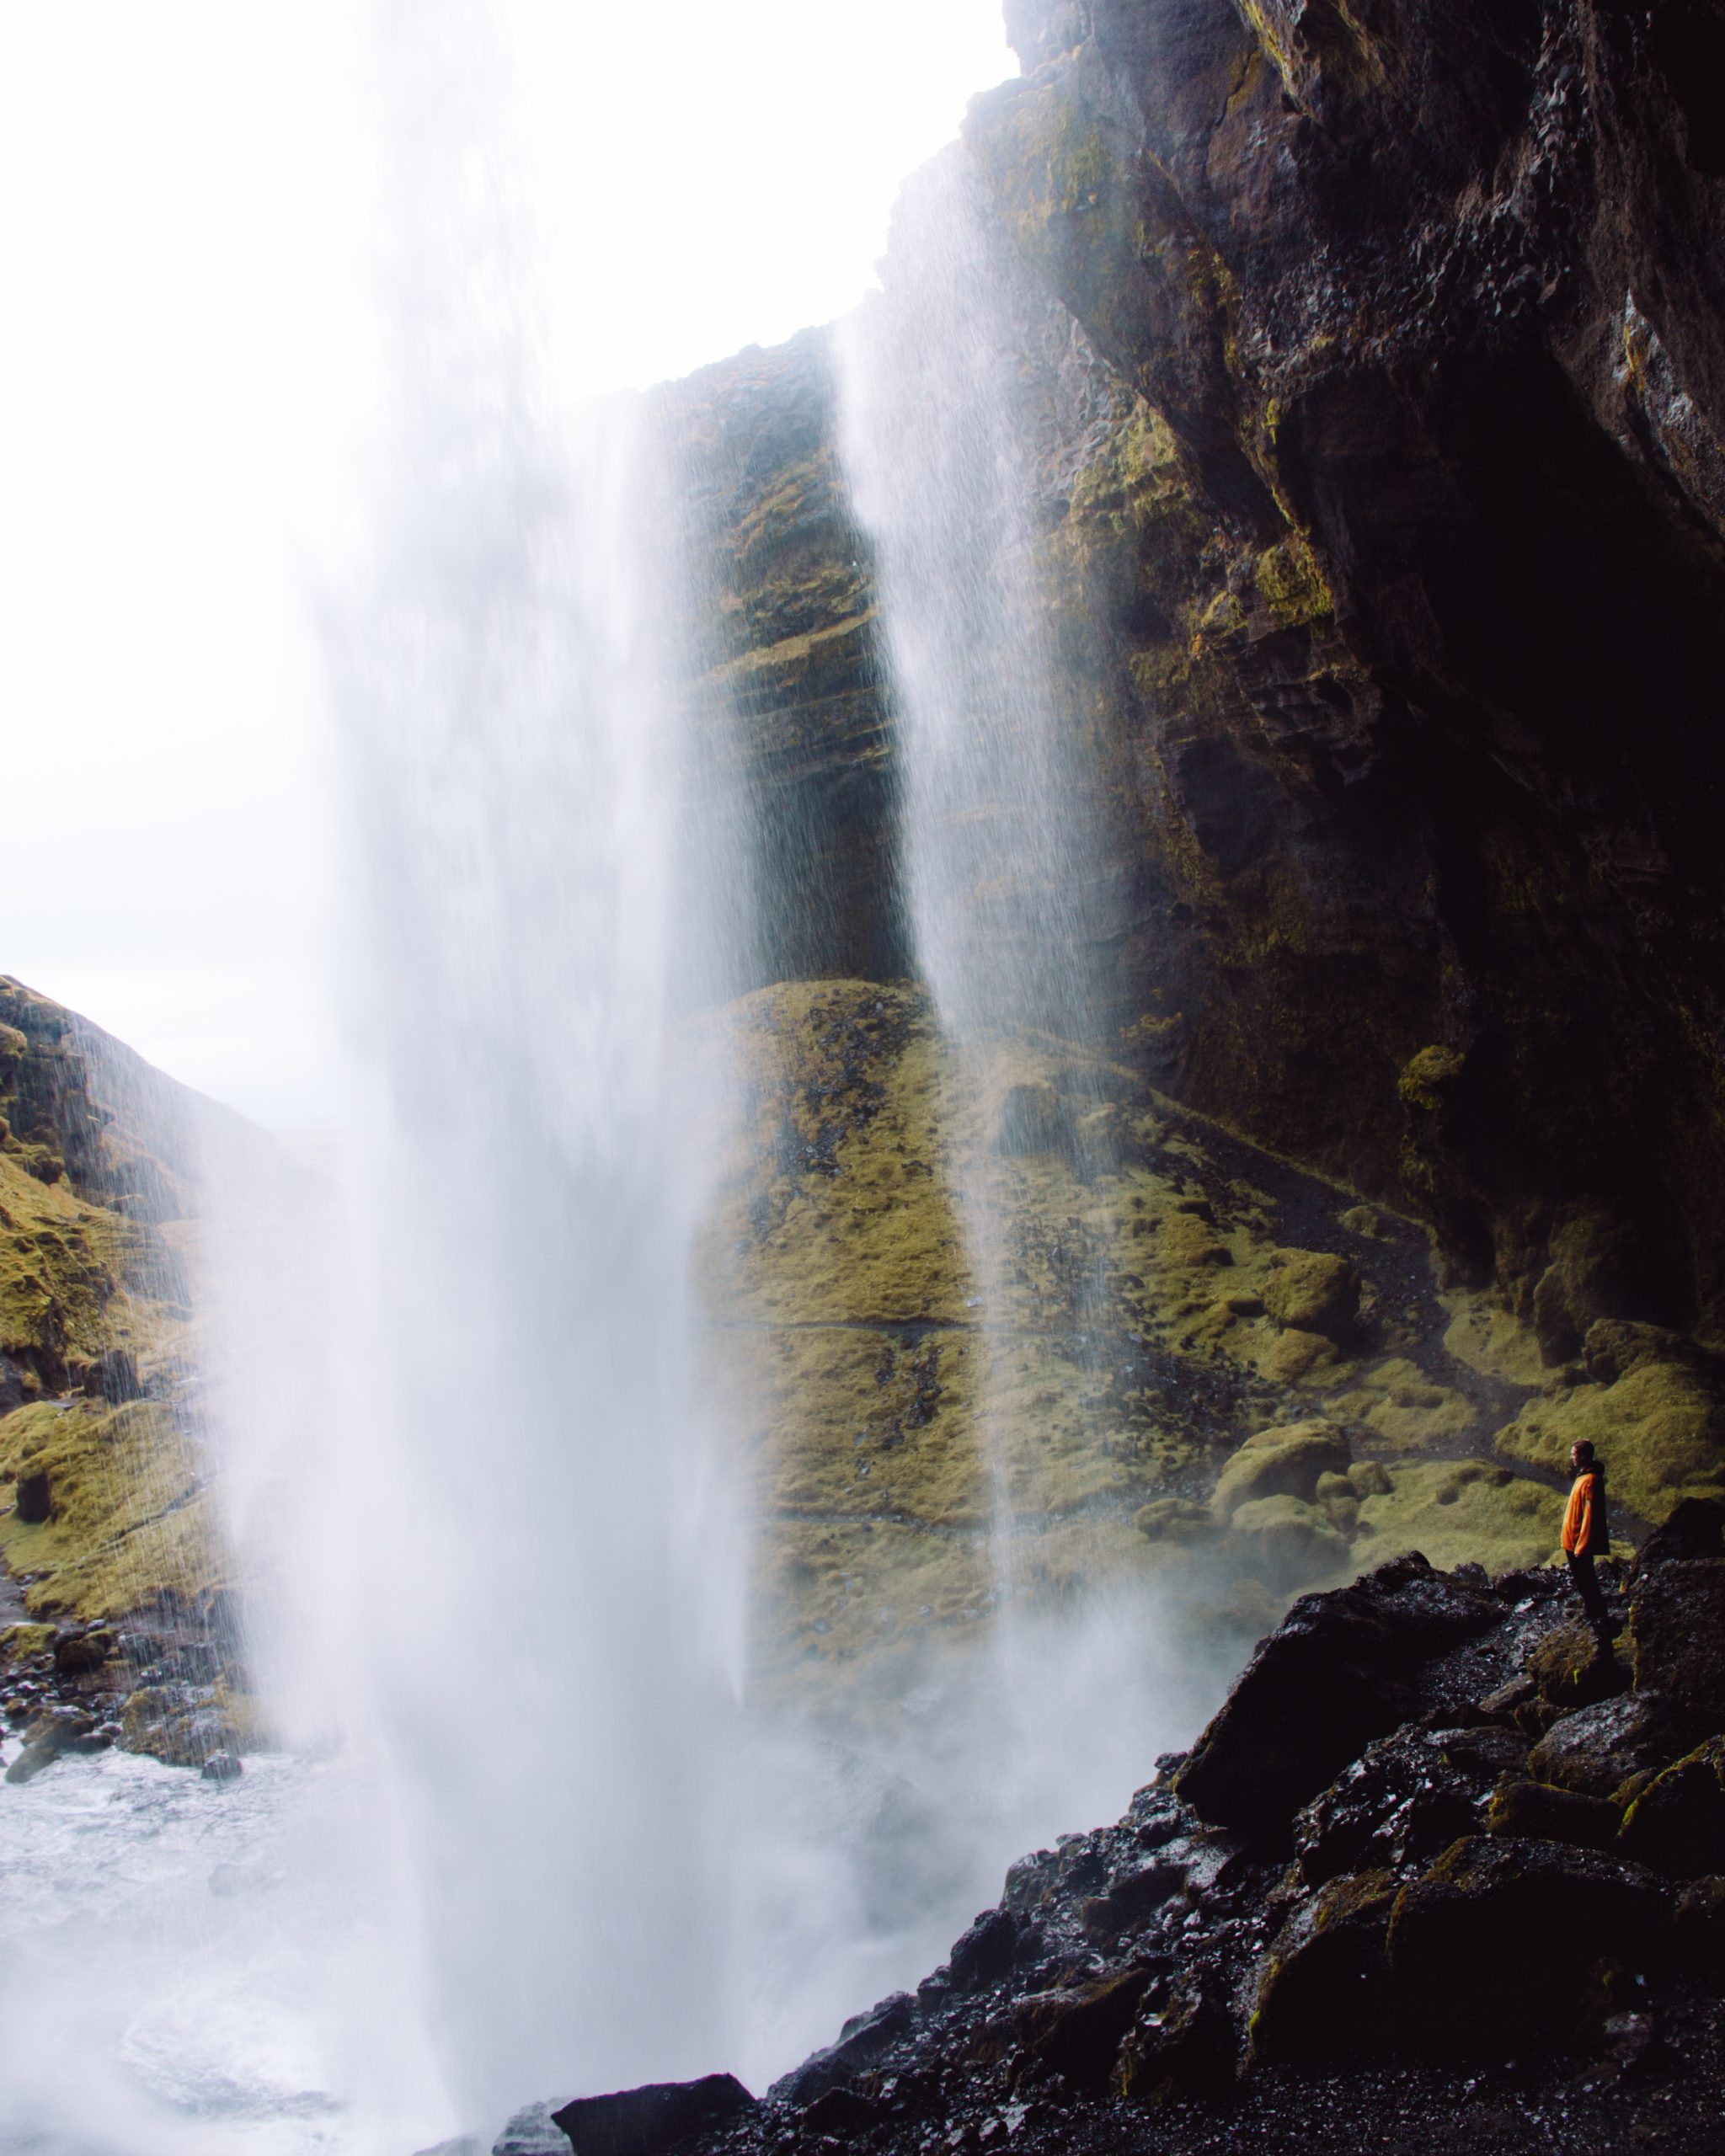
(1386, 567)
(1423, 727)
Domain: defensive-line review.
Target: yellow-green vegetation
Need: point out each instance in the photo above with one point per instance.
(1404, 1411)
(129, 1519)
(61, 1263)
(108, 1512)
(1018, 1295)
(1489, 1339)
(1459, 1511)
(1659, 1428)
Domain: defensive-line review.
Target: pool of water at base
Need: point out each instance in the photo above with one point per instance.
(190, 1969)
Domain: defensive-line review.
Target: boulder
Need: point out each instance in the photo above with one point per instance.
(987, 1951)
(838, 2114)
(1694, 1529)
(532, 2131)
(1076, 2032)
(222, 1767)
(1176, 1521)
(1135, 1897)
(1186, 2051)
(644, 2122)
(1535, 1812)
(1285, 1461)
(1677, 1631)
(1401, 1801)
(81, 1649)
(1677, 1825)
(1494, 1948)
(1311, 1291)
(1698, 1929)
(1287, 1543)
(1332, 1676)
(1323, 1994)
(50, 1736)
(861, 2041)
(1597, 1749)
(1568, 1670)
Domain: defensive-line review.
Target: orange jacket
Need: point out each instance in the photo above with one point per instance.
(1585, 1519)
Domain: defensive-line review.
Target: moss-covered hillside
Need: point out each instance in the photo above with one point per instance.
(1200, 1365)
(105, 1483)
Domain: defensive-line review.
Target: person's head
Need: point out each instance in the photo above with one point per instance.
(1581, 1455)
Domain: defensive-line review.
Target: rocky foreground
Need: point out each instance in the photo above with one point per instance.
(1434, 1876)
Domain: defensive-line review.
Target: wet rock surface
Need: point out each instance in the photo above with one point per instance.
(168, 1682)
(1443, 1947)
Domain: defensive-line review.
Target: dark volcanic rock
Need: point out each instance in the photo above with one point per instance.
(1496, 1946)
(1330, 1677)
(645, 2121)
(1324, 1992)
(1677, 1630)
(1597, 1749)
(1535, 1812)
(1165, 1987)
(1677, 1825)
(862, 2041)
(1694, 1529)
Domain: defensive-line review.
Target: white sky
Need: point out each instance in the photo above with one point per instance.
(183, 386)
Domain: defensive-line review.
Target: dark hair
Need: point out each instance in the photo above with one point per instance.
(1585, 1449)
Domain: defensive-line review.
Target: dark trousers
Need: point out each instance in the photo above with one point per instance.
(1593, 1599)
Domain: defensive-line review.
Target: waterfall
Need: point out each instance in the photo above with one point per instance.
(534, 1589)
(966, 389)
(533, 1836)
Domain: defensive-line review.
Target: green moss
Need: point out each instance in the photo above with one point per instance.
(1485, 1337)
(1403, 1410)
(1427, 1077)
(21, 1643)
(1658, 1429)
(1290, 586)
(1459, 1511)
(130, 1517)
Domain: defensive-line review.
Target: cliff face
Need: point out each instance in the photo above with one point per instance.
(1392, 579)
(112, 1554)
(1422, 736)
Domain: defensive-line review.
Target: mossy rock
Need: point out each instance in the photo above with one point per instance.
(1297, 1357)
(1676, 1825)
(1485, 1337)
(24, 1643)
(1569, 1670)
(1312, 1291)
(1494, 1948)
(1459, 1511)
(1603, 1750)
(1177, 1520)
(1286, 1460)
(1530, 1810)
(1659, 1430)
(1288, 1543)
(1322, 1994)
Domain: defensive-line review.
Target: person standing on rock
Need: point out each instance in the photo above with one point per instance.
(1587, 1536)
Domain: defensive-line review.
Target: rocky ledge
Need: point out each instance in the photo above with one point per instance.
(1434, 1876)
